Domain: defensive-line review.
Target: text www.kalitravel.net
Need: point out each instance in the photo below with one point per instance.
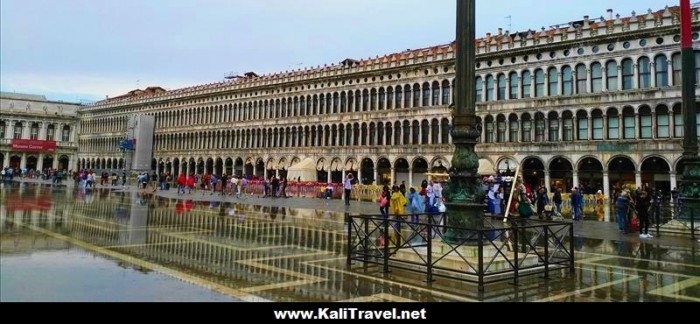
(348, 313)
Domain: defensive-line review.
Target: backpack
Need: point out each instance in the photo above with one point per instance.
(382, 202)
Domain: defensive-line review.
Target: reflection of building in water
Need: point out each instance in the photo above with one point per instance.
(593, 102)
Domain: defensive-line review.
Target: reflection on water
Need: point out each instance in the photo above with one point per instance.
(267, 252)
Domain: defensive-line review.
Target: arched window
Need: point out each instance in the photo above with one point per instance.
(416, 96)
(662, 122)
(677, 121)
(65, 135)
(661, 64)
(424, 132)
(445, 130)
(596, 77)
(527, 128)
(358, 100)
(513, 82)
(426, 95)
(645, 130)
(627, 74)
(677, 66)
(628, 123)
(373, 100)
(416, 133)
(406, 132)
(644, 72)
(553, 119)
(446, 95)
(365, 100)
(335, 103)
(479, 86)
(582, 125)
(501, 87)
(613, 124)
(329, 103)
(489, 88)
(501, 129)
(436, 93)
(407, 96)
(342, 102)
(567, 83)
(539, 127)
(489, 126)
(568, 124)
(597, 121)
(513, 128)
(434, 132)
(382, 98)
(553, 81)
(611, 70)
(581, 79)
(527, 84)
(389, 98)
(34, 131)
(398, 96)
(539, 83)
(18, 131)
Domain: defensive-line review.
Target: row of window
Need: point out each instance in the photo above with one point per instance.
(425, 132)
(612, 125)
(18, 132)
(366, 100)
(594, 78)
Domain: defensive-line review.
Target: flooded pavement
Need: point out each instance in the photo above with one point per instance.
(112, 244)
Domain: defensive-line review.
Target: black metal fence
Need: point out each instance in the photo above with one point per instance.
(496, 249)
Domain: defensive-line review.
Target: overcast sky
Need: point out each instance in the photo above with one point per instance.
(86, 49)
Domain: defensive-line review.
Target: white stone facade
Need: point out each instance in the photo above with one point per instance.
(32, 117)
(594, 103)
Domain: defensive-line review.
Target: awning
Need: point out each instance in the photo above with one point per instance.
(486, 167)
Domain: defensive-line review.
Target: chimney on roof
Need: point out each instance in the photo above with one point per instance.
(586, 20)
(488, 37)
(500, 31)
(610, 14)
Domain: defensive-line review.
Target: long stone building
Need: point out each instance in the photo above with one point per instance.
(593, 102)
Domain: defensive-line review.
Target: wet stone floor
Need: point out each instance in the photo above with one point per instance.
(113, 244)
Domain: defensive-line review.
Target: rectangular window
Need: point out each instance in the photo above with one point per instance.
(501, 131)
(416, 97)
(597, 128)
(489, 132)
(662, 130)
(407, 97)
(2, 130)
(527, 85)
(677, 125)
(645, 126)
(568, 129)
(426, 97)
(18, 132)
(629, 127)
(66, 135)
(553, 131)
(613, 127)
(513, 87)
(513, 132)
(539, 131)
(582, 129)
(527, 126)
(596, 78)
(478, 92)
(35, 133)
